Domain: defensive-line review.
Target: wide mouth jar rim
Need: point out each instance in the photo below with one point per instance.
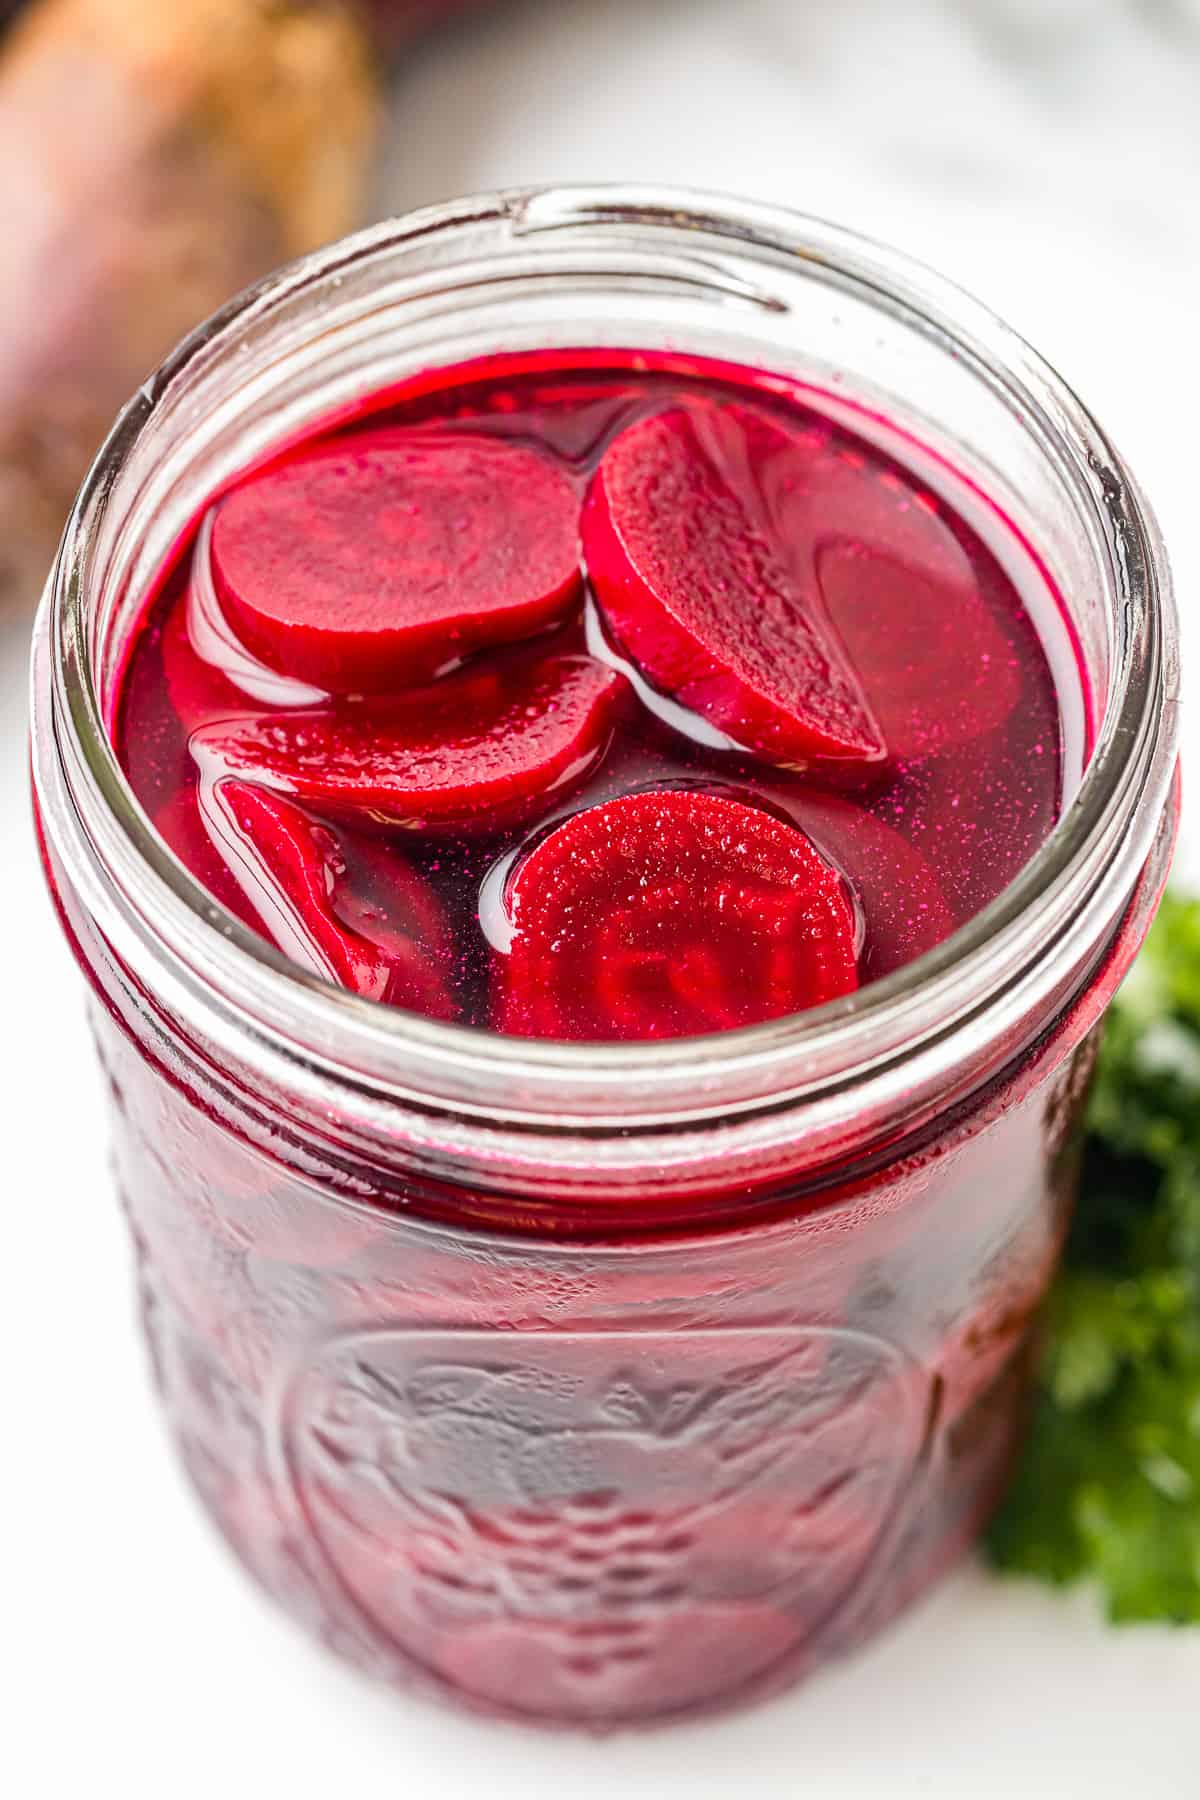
(255, 1003)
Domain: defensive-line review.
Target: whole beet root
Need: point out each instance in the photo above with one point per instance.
(159, 155)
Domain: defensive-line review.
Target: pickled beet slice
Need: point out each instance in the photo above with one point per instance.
(199, 692)
(472, 750)
(376, 559)
(904, 911)
(667, 914)
(209, 673)
(977, 815)
(179, 824)
(793, 590)
(915, 620)
(371, 925)
(694, 578)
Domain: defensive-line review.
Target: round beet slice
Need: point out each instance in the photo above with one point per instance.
(668, 914)
(209, 672)
(361, 917)
(375, 559)
(180, 824)
(471, 751)
(912, 611)
(199, 692)
(980, 812)
(795, 589)
(695, 580)
(904, 912)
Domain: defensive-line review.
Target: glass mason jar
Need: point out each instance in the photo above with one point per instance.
(601, 1383)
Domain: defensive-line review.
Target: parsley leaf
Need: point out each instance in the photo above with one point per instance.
(1109, 1485)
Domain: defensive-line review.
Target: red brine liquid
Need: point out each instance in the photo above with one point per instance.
(599, 698)
(599, 702)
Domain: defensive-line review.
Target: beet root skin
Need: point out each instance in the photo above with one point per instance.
(160, 158)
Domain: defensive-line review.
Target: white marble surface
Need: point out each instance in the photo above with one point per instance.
(1047, 153)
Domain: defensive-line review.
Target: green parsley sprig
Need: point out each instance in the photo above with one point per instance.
(1109, 1486)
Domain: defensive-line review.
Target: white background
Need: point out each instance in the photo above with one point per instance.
(1047, 153)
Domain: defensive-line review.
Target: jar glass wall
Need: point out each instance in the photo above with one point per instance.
(603, 1383)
